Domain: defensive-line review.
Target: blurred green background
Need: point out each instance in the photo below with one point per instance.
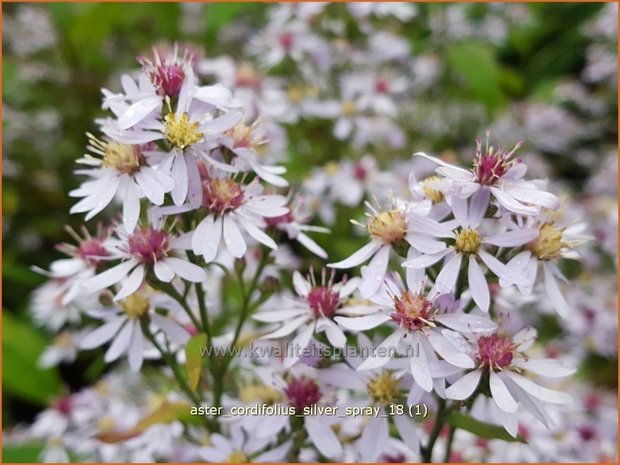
(51, 95)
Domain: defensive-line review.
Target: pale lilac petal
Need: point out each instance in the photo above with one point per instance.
(311, 245)
(465, 386)
(497, 267)
(478, 285)
(374, 274)
(335, 336)
(233, 238)
(362, 323)
(131, 206)
(179, 175)
(136, 348)
(509, 203)
(206, 238)
(525, 338)
(287, 328)
(175, 331)
(424, 244)
(358, 257)
(419, 366)
(408, 432)
(512, 238)
(120, 344)
(132, 284)
(383, 353)
(138, 111)
(448, 351)
(298, 345)
(221, 124)
(466, 323)
(459, 209)
(446, 280)
(109, 277)
(256, 233)
(545, 367)
(342, 376)
(478, 207)
(502, 397)
(424, 261)
(429, 226)
(163, 271)
(322, 436)
(554, 293)
(539, 392)
(374, 438)
(186, 270)
(103, 334)
(532, 196)
(302, 287)
(450, 171)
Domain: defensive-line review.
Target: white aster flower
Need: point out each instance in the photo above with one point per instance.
(502, 361)
(467, 231)
(551, 244)
(122, 170)
(122, 326)
(388, 230)
(426, 332)
(497, 172)
(147, 249)
(313, 312)
(231, 206)
(241, 448)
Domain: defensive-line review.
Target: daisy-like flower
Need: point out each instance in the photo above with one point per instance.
(497, 172)
(381, 387)
(245, 142)
(294, 224)
(240, 448)
(502, 362)
(388, 230)
(427, 332)
(300, 388)
(229, 206)
(552, 244)
(149, 248)
(121, 169)
(313, 312)
(122, 326)
(467, 232)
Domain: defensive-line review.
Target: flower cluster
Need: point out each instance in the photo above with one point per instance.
(210, 274)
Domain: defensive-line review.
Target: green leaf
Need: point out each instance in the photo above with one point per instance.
(22, 453)
(476, 63)
(22, 377)
(479, 428)
(194, 359)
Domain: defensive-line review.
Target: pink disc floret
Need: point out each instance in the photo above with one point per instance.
(149, 245)
(495, 351)
(302, 392)
(323, 300)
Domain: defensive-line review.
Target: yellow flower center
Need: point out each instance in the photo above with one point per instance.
(468, 241)
(389, 226)
(259, 392)
(348, 108)
(549, 242)
(180, 131)
(237, 457)
(331, 168)
(383, 389)
(106, 424)
(428, 186)
(135, 305)
(63, 339)
(123, 158)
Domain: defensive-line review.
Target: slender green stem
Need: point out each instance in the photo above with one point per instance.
(448, 452)
(172, 292)
(427, 452)
(204, 316)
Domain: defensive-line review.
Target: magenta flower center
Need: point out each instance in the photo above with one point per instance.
(302, 392)
(495, 351)
(491, 165)
(381, 86)
(168, 79)
(412, 311)
(286, 40)
(221, 195)
(91, 251)
(149, 245)
(360, 172)
(323, 301)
